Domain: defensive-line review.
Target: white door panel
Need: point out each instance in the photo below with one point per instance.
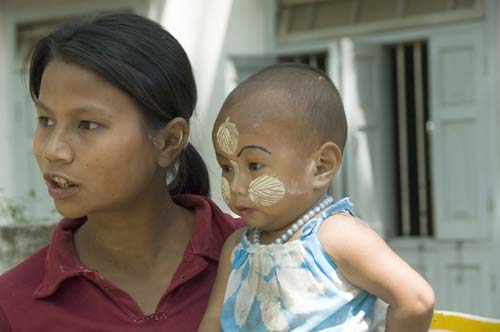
(370, 150)
(458, 112)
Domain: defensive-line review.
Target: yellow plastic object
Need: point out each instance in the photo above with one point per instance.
(449, 321)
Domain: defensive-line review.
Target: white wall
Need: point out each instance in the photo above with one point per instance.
(496, 144)
(248, 32)
(7, 180)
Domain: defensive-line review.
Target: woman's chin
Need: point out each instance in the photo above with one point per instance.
(70, 212)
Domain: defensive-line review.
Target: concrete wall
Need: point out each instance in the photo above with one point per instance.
(7, 185)
(19, 241)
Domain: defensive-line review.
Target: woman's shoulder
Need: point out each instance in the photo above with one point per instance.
(223, 222)
(26, 277)
(23, 279)
(212, 225)
(208, 211)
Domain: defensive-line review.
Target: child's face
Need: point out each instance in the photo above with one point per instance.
(266, 176)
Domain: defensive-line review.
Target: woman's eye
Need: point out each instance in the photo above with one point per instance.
(45, 121)
(88, 125)
(255, 166)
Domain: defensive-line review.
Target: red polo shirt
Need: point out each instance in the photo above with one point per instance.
(52, 291)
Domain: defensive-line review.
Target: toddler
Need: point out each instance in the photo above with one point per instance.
(305, 262)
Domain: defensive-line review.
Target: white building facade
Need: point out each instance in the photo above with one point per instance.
(420, 84)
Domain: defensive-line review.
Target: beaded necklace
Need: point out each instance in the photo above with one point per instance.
(296, 225)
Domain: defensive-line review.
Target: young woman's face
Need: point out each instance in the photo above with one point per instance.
(265, 175)
(90, 143)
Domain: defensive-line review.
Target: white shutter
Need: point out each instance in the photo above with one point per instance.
(370, 149)
(459, 133)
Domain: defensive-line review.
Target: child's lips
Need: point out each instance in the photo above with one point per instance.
(245, 211)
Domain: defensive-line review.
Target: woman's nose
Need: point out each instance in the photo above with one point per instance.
(58, 147)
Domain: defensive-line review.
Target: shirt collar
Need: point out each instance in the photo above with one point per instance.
(208, 216)
(62, 262)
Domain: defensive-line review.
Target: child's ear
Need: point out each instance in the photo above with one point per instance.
(170, 140)
(327, 160)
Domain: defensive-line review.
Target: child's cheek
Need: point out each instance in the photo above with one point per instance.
(266, 190)
(226, 194)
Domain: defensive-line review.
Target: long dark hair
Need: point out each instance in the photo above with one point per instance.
(142, 59)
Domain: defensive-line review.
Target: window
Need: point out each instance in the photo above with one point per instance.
(409, 62)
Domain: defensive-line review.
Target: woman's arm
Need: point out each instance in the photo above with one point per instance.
(211, 318)
(367, 262)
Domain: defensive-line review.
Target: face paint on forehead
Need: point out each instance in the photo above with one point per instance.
(227, 137)
(266, 190)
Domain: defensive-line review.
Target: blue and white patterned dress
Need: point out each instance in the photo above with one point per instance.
(296, 287)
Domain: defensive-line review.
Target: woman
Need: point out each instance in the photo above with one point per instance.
(114, 95)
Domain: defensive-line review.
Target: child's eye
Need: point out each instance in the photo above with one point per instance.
(225, 168)
(88, 125)
(255, 166)
(45, 121)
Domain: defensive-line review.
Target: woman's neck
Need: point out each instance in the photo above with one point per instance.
(135, 239)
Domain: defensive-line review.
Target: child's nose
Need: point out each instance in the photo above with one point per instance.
(239, 185)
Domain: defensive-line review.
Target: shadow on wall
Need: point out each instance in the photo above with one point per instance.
(19, 241)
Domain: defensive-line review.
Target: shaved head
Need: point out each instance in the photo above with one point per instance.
(305, 91)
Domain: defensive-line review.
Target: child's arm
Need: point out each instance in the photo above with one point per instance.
(367, 262)
(211, 318)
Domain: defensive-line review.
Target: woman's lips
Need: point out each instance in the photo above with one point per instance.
(57, 191)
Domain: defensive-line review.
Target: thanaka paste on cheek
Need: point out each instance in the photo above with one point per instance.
(266, 190)
(294, 187)
(226, 194)
(227, 137)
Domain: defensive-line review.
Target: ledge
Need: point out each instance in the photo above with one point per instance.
(19, 241)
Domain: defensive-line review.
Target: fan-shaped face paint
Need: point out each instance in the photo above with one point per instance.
(227, 137)
(266, 190)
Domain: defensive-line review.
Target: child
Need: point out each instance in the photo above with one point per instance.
(305, 262)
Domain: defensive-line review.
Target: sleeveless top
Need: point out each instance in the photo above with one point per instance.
(296, 287)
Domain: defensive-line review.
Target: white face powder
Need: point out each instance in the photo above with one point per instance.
(227, 137)
(266, 190)
(226, 193)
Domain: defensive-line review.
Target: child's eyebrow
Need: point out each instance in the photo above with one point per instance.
(253, 147)
(220, 156)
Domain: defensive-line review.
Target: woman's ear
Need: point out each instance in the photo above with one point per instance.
(327, 159)
(170, 140)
